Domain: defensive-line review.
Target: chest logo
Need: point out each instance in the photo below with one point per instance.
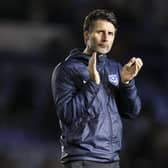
(113, 79)
(84, 81)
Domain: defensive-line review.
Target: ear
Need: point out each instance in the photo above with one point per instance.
(86, 36)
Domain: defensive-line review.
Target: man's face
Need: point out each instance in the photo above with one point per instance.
(101, 37)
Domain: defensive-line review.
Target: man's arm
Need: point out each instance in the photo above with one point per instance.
(128, 101)
(71, 103)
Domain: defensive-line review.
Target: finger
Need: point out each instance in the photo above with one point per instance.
(131, 61)
(137, 66)
(94, 54)
(94, 59)
(139, 63)
(91, 60)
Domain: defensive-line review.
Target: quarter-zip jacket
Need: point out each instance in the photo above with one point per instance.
(89, 113)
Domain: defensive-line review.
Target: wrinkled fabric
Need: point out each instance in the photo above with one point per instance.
(89, 113)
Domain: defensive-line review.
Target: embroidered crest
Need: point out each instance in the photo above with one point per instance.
(113, 78)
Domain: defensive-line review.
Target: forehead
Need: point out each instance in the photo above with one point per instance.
(103, 24)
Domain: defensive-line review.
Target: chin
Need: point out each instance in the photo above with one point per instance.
(102, 51)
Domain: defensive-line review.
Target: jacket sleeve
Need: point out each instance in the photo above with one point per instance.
(128, 101)
(71, 103)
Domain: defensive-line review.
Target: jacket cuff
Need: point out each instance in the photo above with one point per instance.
(129, 85)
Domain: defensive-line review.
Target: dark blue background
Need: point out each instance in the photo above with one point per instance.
(35, 35)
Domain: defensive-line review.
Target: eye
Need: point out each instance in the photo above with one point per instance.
(99, 31)
(111, 33)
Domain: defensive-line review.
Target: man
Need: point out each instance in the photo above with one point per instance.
(91, 94)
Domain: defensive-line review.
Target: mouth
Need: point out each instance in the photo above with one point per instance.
(103, 46)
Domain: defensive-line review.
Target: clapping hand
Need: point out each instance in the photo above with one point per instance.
(94, 74)
(131, 69)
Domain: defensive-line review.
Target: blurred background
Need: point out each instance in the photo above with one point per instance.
(37, 34)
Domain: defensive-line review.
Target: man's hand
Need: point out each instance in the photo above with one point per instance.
(94, 74)
(131, 69)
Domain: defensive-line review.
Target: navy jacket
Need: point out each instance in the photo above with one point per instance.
(89, 113)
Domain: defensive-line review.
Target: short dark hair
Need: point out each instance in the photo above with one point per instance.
(99, 14)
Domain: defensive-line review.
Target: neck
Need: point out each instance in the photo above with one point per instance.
(88, 51)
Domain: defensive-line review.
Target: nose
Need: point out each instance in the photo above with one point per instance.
(105, 36)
